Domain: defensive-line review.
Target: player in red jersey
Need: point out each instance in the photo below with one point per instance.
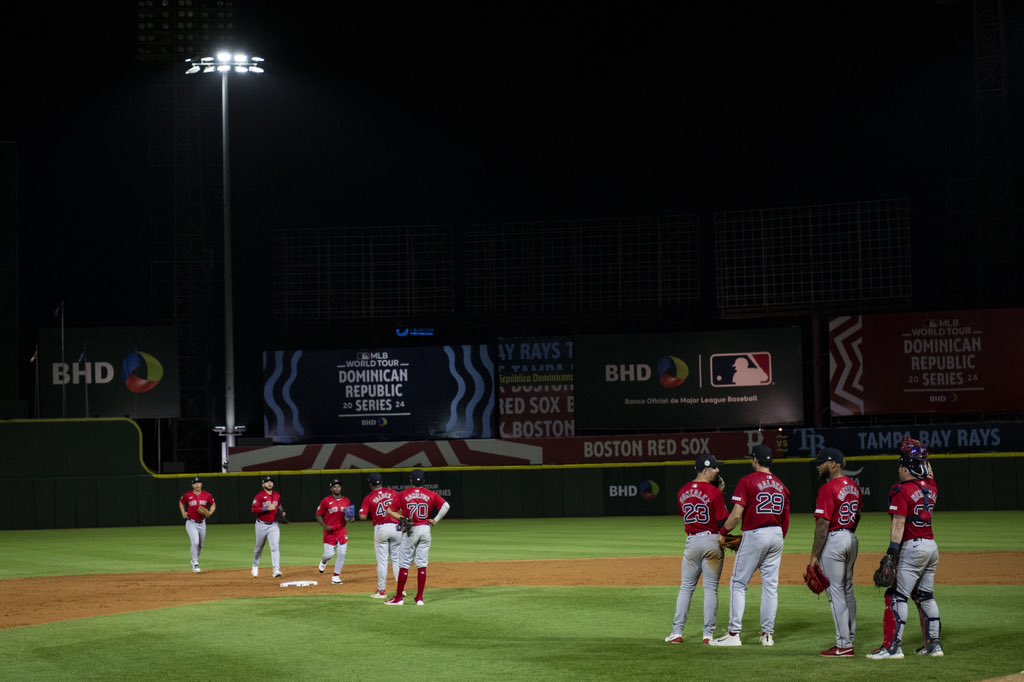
(836, 514)
(702, 507)
(386, 538)
(911, 540)
(332, 515)
(268, 510)
(196, 506)
(425, 509)
(761, 500)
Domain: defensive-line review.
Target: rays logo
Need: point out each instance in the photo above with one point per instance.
(741, 369)
(672, 372)
(141, 372)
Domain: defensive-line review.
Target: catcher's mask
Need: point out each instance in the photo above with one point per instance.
(915, 465)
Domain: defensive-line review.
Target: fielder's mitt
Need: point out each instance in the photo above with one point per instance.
(885, 574)
(405, 524)
(816, 579)
(282, 517)
(205, 512)
(731, 541)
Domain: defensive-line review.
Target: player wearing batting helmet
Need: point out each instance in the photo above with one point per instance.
(911, 540)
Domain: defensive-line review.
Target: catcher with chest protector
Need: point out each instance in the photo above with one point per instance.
(914, 554)
(834, 551)
(702, 507)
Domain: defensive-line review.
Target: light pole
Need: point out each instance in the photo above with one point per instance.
(226, 63)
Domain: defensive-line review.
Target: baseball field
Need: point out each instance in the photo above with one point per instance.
(567, 598)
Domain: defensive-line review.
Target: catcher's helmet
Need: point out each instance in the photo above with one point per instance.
(417, 477)
(912, 447)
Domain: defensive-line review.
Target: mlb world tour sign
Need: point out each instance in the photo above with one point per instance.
(109, 372)
(737, 378)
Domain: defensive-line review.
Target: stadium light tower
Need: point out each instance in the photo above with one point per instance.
(226, 63)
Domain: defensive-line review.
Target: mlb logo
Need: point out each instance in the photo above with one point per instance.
(363, 356)
(741, 369)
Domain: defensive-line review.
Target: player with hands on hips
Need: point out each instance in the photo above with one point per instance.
(268, 510)
(387, 540)
(332, 515)
(761, 504)
(912, 544)
(836, 515)
(424, 509)
(702, 507)
(195, 507)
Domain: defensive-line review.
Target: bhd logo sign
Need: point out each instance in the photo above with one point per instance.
(741, 369)
(647, 489)
(672, 372)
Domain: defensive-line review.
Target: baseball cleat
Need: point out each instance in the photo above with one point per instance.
(322, 567)
(278, 574)
(933, 649)
(336, 580)
(255, 571)
(882, 654)
(731, 639)
(397, 601)
(838, 652)
(674, 638)
(380, 595)
(419, 602)
(767, 639)
(195, 568)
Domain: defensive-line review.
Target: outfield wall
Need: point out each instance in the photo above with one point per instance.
(90, 473)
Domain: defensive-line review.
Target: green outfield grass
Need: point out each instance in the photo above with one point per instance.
(495, 633)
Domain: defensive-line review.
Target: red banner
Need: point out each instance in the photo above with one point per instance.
(952, 362)
(442, 453)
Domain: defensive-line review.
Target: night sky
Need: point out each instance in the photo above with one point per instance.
(381, 114)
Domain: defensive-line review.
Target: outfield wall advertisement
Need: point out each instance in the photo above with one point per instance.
(952, 362)
(379, 394)
(108, 372)
(536, 397)
(716, 379)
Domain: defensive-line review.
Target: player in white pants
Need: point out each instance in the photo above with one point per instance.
(761, 500)
(386, 538)
(836, 514)
(702, 507)
(268, 510)
(195, 507)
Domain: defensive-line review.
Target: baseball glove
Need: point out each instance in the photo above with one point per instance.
(282, 517)
(405, 524)
(885, 574)
(731, 541)
(205, 512)
(815, 579)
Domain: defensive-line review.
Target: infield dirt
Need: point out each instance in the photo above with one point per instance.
(33, 601)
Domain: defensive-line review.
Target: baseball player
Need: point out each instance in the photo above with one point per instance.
(761, 500)
(196, 507)
(836, 515)
(911, 540)
(424, 509)
(332, 515)
(268, 510)
(386, 538)
(702, 506)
